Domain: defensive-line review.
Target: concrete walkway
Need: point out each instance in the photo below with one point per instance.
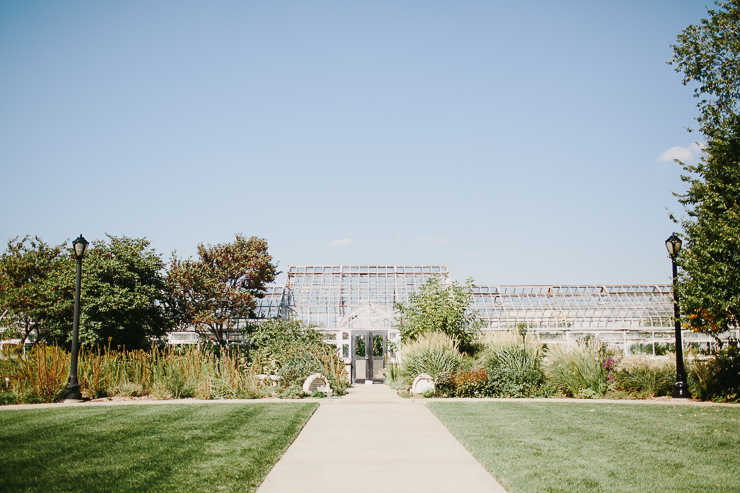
(372, 440)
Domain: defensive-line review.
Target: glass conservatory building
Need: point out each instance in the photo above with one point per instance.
(355, 305)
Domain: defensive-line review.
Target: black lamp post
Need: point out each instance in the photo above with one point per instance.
(680, 389)
(73, 387)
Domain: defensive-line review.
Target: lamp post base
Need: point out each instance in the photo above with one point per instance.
(681, 390)
(72, 394)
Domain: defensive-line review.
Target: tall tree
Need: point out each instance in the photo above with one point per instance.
(122, 295)
(211, 293)
(439, 308)
(708, 55)
(122, 298)
(26, 267)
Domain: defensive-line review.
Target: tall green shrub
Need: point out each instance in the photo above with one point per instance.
(717, 378)
(437, 307)
(513, 363)
(293, 351)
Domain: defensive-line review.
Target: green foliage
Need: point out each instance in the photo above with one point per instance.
(509, 364)
(211, 293)
(653, 377)
(121, 296)
(294, 351)
(709, 287)
(439, 308)
(583, 369)
(718, 378)
(708, 54)
(395, 378)
(296, 369)
(431, 353)
(513, 362)
(27, 269)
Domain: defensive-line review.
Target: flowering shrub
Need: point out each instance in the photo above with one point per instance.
(473, 383)
(609, 366)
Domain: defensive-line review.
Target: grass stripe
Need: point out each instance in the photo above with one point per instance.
(594, 447)
(164, 448)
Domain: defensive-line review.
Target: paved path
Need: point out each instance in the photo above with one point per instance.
(373, 441)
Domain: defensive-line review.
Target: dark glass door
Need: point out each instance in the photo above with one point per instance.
(368, 356)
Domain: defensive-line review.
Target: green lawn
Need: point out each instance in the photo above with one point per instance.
(574, 447)
(154, 448)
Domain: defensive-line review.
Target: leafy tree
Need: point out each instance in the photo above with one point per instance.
(122, 295)
(439, 308)
(274, 341)
(221, 286)
(708, 54)
(709, 287)
(26, 267)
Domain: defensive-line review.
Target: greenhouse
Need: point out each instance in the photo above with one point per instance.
(355, 305)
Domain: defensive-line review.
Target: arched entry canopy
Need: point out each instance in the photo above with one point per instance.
(367, 317)
(369, 325)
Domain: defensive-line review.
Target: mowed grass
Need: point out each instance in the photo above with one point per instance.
(155, 448)
(593, 447)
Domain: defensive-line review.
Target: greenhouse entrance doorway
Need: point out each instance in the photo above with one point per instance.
(368, 355)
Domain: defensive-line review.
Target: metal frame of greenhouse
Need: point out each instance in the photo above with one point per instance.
(632, 317)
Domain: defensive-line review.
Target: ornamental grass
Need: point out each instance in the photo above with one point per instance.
(584, 369)
(432, 354)
(513, 363)
(654, 377)
(162, 373)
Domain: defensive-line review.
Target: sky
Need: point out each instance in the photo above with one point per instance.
(522, 142)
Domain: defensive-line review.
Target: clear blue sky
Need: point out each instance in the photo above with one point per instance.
(518, 142)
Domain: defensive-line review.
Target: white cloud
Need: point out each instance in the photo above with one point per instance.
(344, 241)
(682, 153)
(431, 240)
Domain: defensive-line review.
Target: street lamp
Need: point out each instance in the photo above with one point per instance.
(73, 387)
(680, 389)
